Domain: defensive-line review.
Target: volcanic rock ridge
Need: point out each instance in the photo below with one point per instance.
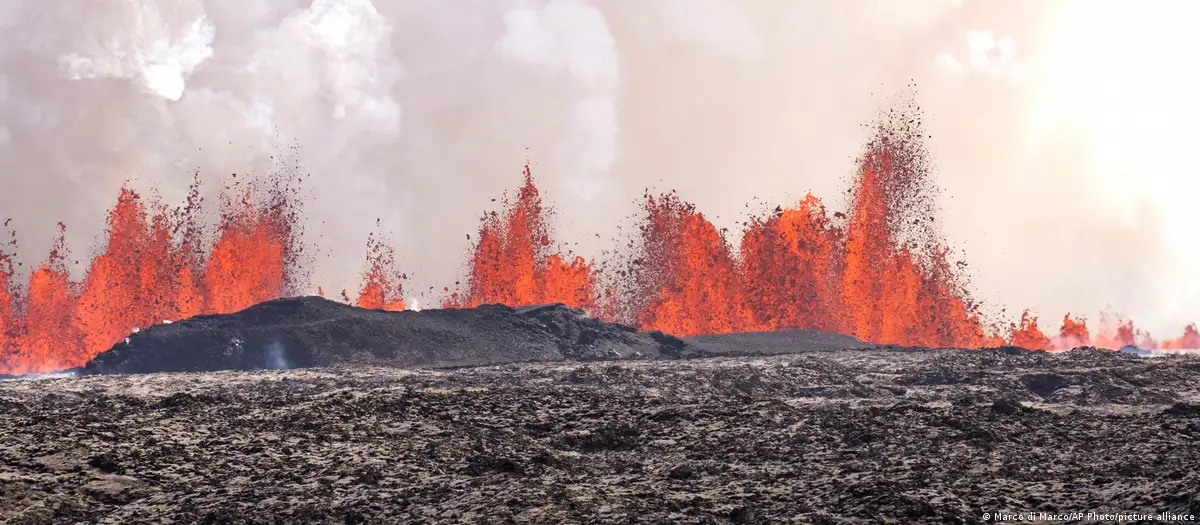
(304, 332)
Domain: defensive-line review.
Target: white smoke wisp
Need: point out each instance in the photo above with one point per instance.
(144, 47)
(719, 26)
(50, 375)
(986, 53)
(571, 38)
(350, 37)
(276, 357)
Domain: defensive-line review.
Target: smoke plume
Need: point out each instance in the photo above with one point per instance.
(276, 356)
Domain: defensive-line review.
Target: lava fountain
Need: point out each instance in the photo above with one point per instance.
(155, 265)
(382, 287)
(513, 261)
(879, 271)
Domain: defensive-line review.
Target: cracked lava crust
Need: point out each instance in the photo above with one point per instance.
(853, 436)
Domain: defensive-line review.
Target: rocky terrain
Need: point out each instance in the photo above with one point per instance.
(818, 436)
(305, 332)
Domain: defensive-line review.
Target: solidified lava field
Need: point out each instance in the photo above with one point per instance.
(882, 435)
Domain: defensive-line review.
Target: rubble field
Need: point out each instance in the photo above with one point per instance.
(876, 435)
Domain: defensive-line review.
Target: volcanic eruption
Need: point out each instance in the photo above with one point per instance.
(382, 286)
(513, 261)
(156, 266)
(879, 271)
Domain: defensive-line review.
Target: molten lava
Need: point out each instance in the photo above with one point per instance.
(151, 270)
(48, 334)
(8, 316)
(882, 276)
(789, 264)
(512, 261)
(897, 283)
(1073, 334)
(247, 263)
(879, 271)
(141, 278)
(1189, 339)
(1114, 332)
(685, 275)
(1028, 335)
(382, 287)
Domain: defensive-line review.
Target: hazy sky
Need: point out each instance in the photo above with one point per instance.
(1061, 130)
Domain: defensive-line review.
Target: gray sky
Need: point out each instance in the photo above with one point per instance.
(1059, 128)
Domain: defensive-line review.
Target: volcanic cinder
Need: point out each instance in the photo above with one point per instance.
(818, 435)
(313, 331)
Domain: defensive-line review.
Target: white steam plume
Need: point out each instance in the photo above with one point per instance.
(718, 26)
(570, 38)
(134, 41)
(351, 38)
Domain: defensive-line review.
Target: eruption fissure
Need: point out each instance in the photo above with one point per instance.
(879, 271)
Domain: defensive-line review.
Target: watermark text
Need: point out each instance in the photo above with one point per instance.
(1117, 517)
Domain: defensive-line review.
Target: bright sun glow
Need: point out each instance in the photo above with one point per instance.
(1128, 73)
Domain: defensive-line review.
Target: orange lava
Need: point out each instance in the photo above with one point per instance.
(1189, 339)
(789, 263)
(8, 317)
(382, 287)
(1028, 335)
(48, 335)
(1114, 332)
(874, 276)
(512, 261)
(150, 270)
(878, 271)
(1073, 334)
(247, 263)
(688, 278)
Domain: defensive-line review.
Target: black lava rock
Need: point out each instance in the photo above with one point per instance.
(305, 332)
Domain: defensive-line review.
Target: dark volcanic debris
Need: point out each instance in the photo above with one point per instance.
(864, 436)
(304, 332)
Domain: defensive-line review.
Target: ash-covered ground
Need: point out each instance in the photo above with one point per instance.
(855, 436)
